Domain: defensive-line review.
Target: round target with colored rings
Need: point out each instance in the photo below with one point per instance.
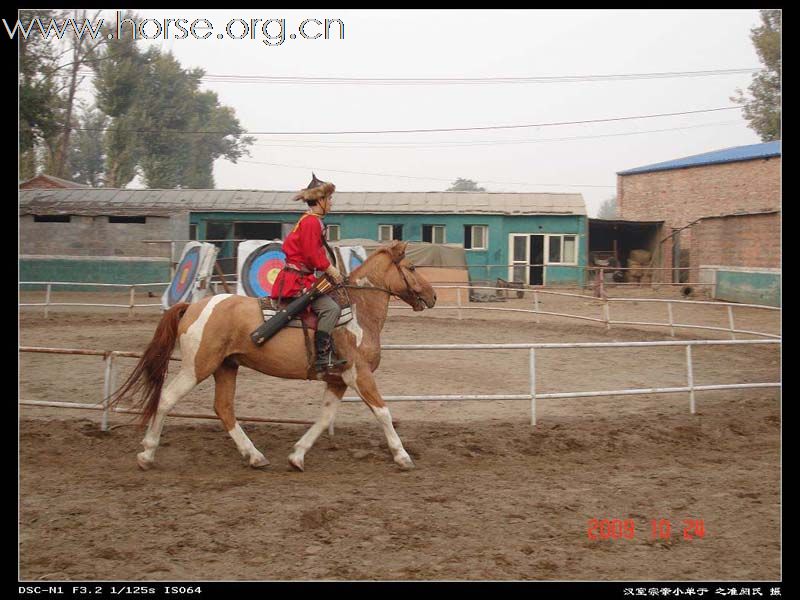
(261, 269)
(183, 281)
(355, 261)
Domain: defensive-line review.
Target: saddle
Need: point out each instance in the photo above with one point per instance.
(308, 318)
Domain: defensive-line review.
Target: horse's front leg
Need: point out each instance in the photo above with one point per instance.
(360, 378)
(225, 391)
(330, 401)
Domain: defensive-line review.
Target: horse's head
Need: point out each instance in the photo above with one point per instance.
(402, 278)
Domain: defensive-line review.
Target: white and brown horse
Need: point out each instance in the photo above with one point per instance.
(214, 337)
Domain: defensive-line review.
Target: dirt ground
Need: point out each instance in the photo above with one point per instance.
(491, 498)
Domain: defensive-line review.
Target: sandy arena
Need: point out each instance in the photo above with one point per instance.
(491, 498)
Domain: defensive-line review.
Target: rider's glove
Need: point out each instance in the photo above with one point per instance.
(334, 274)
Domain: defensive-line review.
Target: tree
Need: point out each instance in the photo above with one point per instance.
(465, 185)
(39, 102)
(608, 209)
(191, 128)
(86, 156)
(118, 84)
(161, 124)
(83, 50)
(762, 109)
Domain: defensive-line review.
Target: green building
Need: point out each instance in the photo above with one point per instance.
(539, 239)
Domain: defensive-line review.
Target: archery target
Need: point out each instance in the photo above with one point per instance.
(196, 261)
(355, 262)
(350, 258)
(260, 267)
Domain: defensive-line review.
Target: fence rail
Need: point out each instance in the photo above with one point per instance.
(459, 306)
(532, 396)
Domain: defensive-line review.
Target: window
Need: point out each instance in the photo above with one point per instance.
(387, 233)
(127, 219)
(433, 234)
(562, 249)
(51, 218)
(256, 230)
(476, 237)
(334, 233)
(192, 232)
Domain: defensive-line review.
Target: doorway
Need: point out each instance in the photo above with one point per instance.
(527, 258)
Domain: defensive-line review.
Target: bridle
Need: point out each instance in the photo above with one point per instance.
(396, 262)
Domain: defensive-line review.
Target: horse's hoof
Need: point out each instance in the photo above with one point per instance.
(144, 463)
(296, 463)
(259, 463)
(405, 463)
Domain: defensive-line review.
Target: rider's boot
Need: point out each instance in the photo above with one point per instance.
(326, 359)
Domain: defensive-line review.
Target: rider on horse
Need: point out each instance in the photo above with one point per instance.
(305, 253)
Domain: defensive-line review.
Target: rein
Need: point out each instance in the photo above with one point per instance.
(409, 289)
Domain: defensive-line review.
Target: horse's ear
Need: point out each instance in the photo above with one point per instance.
(398, 249)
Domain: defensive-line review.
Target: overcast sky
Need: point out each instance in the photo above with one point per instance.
(475, 44)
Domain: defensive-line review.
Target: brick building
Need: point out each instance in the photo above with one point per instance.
(740, 255)
(680, 191)
(723, 197)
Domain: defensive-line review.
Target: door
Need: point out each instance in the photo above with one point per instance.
(527, 258)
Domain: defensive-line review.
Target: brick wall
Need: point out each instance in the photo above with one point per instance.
(679, 196)
(737, 241)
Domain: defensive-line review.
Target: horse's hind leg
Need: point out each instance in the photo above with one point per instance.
(174, 391)
(362, 381)
(330, 401)
(225, 378)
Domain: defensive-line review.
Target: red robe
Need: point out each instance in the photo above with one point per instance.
(303, 248)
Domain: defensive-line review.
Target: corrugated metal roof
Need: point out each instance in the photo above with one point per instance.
(736, 154)
(96, 201)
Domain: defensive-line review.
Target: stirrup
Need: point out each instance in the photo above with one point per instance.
(328, 363)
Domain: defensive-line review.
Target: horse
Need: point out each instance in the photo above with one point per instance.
(214, 337)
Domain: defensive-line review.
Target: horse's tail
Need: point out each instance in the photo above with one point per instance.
(148, 376)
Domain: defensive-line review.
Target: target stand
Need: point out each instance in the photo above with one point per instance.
(349, 258)
(192, 275)
(257, 265)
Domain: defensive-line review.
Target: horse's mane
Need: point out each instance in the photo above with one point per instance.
(368, 265)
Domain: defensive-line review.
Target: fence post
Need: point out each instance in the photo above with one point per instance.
(132, 300)
(607, 311)
(671, 320)
(690, 377)
(730, 322)
(533, 386)
(536, 304)
(458, 290)
(109, 359)
(47, 299)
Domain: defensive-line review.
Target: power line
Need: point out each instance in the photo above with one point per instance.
(311, 80)
(431, 130)
(412, 145)
(257, 162)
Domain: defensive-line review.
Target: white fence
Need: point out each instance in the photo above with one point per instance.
(131, 306)
(532, 396)
(606, 305)
(460, 306)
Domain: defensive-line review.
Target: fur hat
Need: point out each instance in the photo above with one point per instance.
(316, 190)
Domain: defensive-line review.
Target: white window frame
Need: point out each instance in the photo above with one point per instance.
(472, 238)
(433, 233)
(338, 232)
(391, 233)
(547, 260)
